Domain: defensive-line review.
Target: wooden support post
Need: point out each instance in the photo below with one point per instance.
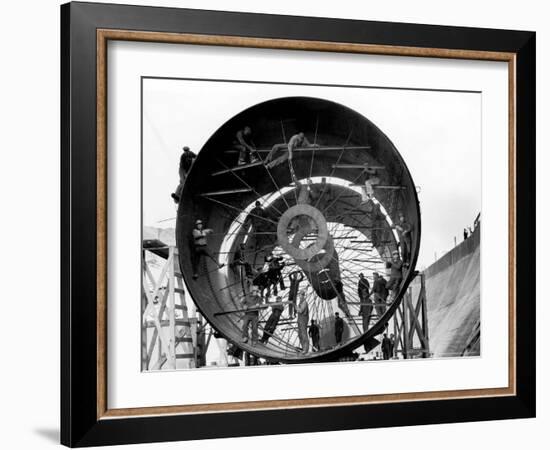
(144, 353)
(405, 329)
(424, 316)
(172, 307)
(396, 336)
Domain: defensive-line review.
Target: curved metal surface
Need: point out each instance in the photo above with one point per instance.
(348, 144)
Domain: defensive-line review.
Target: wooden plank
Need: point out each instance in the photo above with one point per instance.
(415, 324)
(422, 298)
(405, 330)
(255, 308)
(357, 166)
(379, 186)
(172, 303)
(160, 362)
(309, 149)
(165, 323)
(156, 322)
(226, 192)
(237, 168)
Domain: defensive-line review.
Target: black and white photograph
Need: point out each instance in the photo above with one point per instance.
(294, 223)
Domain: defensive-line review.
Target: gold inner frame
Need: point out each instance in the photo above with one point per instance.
(104, 35)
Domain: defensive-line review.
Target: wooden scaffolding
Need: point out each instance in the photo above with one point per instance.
(173, 334)
(410, 323)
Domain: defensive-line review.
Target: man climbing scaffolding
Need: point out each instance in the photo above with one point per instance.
(200, 247)
(296, 141)
(250, 318)
(295, 278)
(275, 265)
(302, 321)
(365, 307)
(272, 320)
(243, 143)
(186, 161)
(404, 229)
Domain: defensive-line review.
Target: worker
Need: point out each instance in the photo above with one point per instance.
(386, 346)
(243, 143)
(296, 141)
(186, 161)
(379, 293)
(272, 320)
(305, 192)
(261, 281)
(396, 273)
(367, 192)
(314, 335)
(302, 321)
(201, 247)
(377, 219)
(241, 265)
(295, 278)
(392, 348)
(274, 275)
(341, 296)
(363, 287)
(404, 229)
(257, 218)
(365, 307)
(250, 303)
(338, 328)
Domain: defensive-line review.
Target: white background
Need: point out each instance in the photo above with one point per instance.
(30, 167)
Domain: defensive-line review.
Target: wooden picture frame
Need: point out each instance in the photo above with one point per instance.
(85, 417)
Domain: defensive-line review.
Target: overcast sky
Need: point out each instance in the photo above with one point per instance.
(437, 133)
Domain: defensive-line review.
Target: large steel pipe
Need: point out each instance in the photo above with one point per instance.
(352, 150)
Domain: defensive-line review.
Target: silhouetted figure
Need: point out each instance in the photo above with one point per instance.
(242, 267)
(272, 321)
(243, 143)
(275, 266)
(379, 293)
(386, 347)
(396, 273)
(302, 321)
(392, 340)
(314, 335)
(250, 318)
(257, 217)
(365, 307)
(338, 328)
(404, 229)
(186, 161)
(341, 296)
(295, 278)
(378, 221)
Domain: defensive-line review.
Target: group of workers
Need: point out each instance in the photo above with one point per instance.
(307, 329)
(259, 286)
(262, 284)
